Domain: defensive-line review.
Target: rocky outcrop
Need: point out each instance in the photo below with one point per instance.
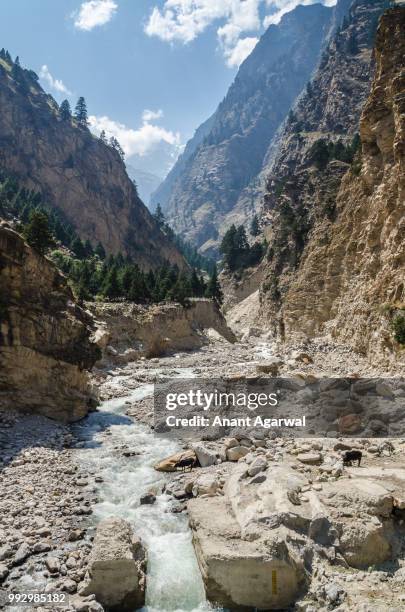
(349, 278)
(130, 331)
(262, 540)
(75, 172)
(169, 463)
(239, 286)
(45, 346)
(117, 567)
(205, 187)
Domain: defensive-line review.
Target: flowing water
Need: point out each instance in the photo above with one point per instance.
(174, 582)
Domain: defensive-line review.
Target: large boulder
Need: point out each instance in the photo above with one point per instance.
(239, 574)
(366, 543)
(169, 463)
(206, 484)
(206, 456)
(236, 452)
(117, 567)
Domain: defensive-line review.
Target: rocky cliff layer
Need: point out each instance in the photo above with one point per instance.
(74, 171)
(350, 275)
(205, 189)
(45, 346)
(128, 332)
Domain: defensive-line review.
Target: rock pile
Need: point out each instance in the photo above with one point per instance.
(45, 498)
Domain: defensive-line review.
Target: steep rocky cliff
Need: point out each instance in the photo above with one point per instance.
(45, 347)
(348, 277)
(74, 171)
(303, 176)
(206, 185)
(163, 193)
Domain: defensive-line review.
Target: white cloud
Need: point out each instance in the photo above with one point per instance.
(235, 55)
(141, 141)
(150, 115)
(185, 20)
(54, 84)
(281, 7)
(94, 13)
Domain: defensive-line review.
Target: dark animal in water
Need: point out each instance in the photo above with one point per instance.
(353, 455)
(185, 463)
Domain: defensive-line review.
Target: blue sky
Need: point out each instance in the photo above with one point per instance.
(151, 70)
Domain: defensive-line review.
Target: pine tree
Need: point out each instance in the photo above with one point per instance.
(117, 147)
(139, 291)
(120, 150)
(103, 137)
(111, 286)
(159, 216)
(254, 226)
(203, 286)
(37, 232)
(65, 111)
(88, 249)
(319, 153)
(150, 281)
(119, 260)
(16, 70)
(100, 251)
(127, 276)
(81, 112)
(180, 292)
(214, 290)
(235, 248)
(78, 248)
(195, 283)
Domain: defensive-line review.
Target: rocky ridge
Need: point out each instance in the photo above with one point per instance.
(205, 187)
(353, 257)
(127, 332)
(75, 172)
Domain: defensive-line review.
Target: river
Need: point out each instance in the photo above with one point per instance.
(174, 582)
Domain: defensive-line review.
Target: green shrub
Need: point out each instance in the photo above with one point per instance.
(398, 327)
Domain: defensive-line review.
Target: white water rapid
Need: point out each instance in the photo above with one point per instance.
(174, 583)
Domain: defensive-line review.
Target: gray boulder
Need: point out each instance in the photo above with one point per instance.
(205, 455)
(117, 566)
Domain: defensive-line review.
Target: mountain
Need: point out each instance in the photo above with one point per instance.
(162, 194)
(146, 183)
(74, 171)
(335, 206)
(227, 153)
